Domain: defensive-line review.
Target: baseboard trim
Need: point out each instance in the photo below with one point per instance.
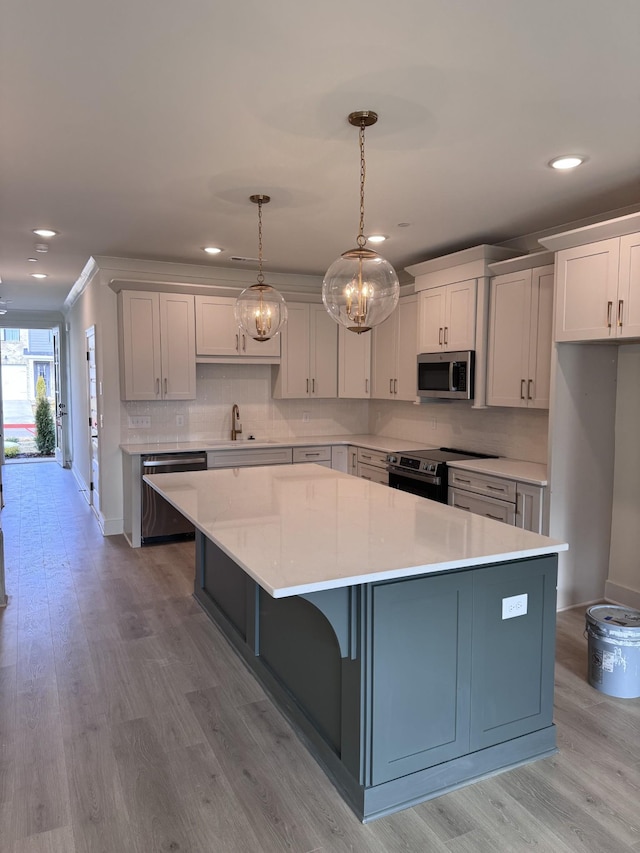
(618, 594)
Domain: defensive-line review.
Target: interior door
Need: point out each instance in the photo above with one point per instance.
(60, 406)
(94, 433)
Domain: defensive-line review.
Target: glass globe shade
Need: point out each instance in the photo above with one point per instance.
(261, 311)
(360, 290)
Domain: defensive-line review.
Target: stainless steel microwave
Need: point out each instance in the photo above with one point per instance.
(446, 375)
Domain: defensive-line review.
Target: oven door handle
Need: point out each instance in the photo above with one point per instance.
(421, 478)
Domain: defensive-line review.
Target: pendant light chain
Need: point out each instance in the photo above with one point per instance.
(260, 275)
(361, 238)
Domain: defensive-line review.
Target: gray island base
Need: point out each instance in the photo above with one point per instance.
(410, 643)
(402, 689)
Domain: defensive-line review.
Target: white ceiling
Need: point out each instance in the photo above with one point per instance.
(139, 128)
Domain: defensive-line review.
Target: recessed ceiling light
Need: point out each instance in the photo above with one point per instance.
(33, 260)
(212, 250)
(403, 224)
(44, 232)
(38, 275)
(567, 161)
(376, 238)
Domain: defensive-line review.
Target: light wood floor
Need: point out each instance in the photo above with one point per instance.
(128, 726)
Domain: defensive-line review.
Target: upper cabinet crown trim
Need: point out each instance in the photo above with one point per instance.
(619, 227)
(523, 262)
(469, 263)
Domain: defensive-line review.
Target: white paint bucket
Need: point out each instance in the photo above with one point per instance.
(614, 650)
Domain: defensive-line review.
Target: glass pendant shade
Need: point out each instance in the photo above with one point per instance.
(261, 311)
(360, 290)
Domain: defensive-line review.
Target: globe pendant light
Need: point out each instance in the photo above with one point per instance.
(360, 289)
(260, 310)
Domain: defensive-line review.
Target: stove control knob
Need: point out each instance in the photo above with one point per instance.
(393, 460)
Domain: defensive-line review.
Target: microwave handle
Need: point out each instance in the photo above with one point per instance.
(451, 365)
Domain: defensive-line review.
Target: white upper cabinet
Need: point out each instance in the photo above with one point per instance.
(519, 352)
(598, 290)
(354, 364)
(448, 318)
(218, 335)
(394, 353)
(157, 346)
(309, 362)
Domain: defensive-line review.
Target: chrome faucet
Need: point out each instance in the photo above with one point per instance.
(236, 426)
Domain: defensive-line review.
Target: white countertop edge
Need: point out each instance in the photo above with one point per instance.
(415, 571)
(533, 473)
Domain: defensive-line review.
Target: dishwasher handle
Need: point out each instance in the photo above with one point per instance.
(192, 464)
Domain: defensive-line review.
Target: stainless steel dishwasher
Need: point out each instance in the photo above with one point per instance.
(160, 521)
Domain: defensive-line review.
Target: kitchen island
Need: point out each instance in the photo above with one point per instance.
(412, 644)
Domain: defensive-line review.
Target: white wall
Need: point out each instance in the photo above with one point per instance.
(623, 584)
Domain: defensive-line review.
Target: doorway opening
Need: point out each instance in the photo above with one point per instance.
(29, 394)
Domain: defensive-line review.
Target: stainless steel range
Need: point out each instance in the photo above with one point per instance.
(425, 472)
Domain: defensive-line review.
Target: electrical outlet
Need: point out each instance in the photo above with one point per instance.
(515, 605)
(179, 420)
(306, 417)
(434, 423)
(139, 422)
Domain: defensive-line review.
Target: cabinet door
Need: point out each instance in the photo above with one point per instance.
(587, 291)
(508, 352)
(323, 353)
(140, 362)
(460, 316)
(178, 346)
(256, 349)
(512, 658)
(481, 505)
(431, 320)
(405, 386)
(354, 364)
(293, 374)
(540, 338)
(628, 308)
(421, 635)
(217, 331)
(529, 500)
(383, 358)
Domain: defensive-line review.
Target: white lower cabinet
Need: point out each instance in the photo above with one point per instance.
(372, 465)
(320, 455)
(510, 501)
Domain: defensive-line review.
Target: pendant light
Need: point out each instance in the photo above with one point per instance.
(360, 289)
(260, 310)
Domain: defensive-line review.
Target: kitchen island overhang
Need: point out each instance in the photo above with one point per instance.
(375, 620)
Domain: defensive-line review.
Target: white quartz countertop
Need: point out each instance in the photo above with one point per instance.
(302, 528)
(534, 473)
(384, 443)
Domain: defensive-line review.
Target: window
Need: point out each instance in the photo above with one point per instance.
(10, 334)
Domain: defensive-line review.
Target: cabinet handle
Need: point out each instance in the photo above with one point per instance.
(313, 385)
(353, 460)
(522, 384)
(496, 517)
(446, 335)
(364, 477)
(166, 388)
(529, 385)
(462, 506)
(495, 488)
(620, 304)
(364, 456)
(366, 386)
(391, 386)
(461, 480)
(157, 387)
(440, 335)
(244, 343)
(609, 308)
(395, 386)
(309, 455)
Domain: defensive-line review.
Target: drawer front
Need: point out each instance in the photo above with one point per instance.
(244, 458)
(482, 505)
(372, 457)
(312, 454)
(483, 484)
(370, 472)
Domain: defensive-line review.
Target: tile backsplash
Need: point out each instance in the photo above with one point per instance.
(516, 433)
